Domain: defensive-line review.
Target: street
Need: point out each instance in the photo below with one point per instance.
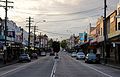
(65, 66)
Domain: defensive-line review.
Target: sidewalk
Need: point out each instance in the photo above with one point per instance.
(117, 66)
(9, 63)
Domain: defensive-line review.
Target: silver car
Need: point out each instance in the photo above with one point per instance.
(73, 54)
(24, 57)
(80, 55)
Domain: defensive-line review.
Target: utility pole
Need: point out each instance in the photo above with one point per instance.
(105, 32)
(40, 40)
(34, 35)
(5, 32)
(29, 22)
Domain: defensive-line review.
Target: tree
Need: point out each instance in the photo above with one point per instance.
(56, 46)
(50, 42)
(63, 43)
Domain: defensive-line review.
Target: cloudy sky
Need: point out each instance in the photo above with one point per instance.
(63, 17)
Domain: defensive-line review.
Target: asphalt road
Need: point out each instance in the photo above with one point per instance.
(70, 67)
(65, 66)
(37, 68)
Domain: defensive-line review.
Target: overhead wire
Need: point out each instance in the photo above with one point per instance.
(73, 13)
(75, 18)
(52, 32)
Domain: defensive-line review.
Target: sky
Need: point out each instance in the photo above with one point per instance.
(63, 17)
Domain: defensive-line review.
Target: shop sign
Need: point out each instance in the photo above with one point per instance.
(81, 36)
(11, 34)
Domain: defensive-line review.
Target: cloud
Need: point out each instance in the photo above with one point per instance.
(37, 7)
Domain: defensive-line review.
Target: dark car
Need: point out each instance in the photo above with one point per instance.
(91, 58)
(24, 57)
(34, 55)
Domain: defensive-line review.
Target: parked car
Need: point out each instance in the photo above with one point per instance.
(24, 57)
(90, 58)
(80, 55)
(73, 54)
(43, 53)
(34, 55)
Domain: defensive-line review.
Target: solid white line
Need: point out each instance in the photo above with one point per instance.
(95, 69)
(19, 68)
(54, 69)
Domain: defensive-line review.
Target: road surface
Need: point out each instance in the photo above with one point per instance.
(65, 66)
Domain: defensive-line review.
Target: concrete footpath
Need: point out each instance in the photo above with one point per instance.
(113, 66)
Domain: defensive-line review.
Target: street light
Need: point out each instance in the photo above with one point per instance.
(35, 31)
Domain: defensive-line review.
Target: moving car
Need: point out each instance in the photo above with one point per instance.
(34, 55)
(73, 54)
(80, 55)
(90, 58)
(24, 57)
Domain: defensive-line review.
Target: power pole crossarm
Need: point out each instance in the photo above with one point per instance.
(29, 22)
(5, 33)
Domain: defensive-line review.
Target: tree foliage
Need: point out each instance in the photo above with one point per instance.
(63, 43)
(50, 42)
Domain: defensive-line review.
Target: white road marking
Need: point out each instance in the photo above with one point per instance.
(19, 68)
(97, 70)
(54, 68)
(93, 68)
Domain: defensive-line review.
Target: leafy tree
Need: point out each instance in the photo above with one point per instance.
(56, 46)
(63, 43)
(50, 42)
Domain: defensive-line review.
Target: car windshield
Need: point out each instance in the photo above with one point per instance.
(24, 55)
(92, 55)
(74, 53)
(80, 53)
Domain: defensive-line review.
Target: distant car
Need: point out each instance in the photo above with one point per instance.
(90, 58)
(34, 55)
(80, 55)
(73, 54)
(24, 57)
(43, 53)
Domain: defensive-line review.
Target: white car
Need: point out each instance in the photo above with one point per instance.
(80, 55)
(73, 54)
(43, 53)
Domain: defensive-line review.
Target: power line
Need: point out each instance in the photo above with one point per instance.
(52, 32)
(75, 18)
(73, 13)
